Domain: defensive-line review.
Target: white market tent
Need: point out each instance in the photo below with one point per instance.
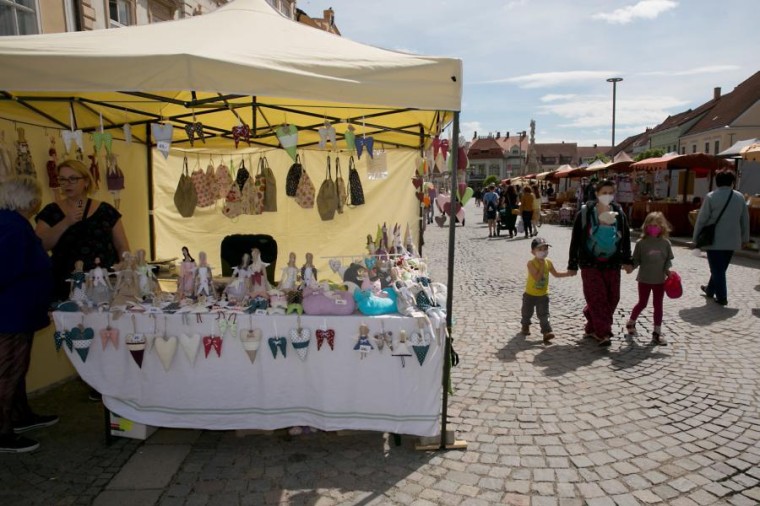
(243, 63)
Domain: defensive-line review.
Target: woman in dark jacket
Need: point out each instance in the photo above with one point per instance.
(25, 294)
(600, 259)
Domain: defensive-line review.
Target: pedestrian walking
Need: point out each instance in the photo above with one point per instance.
(536, 295)
(491, 203)
(536, 218)
(726, 210)
(653, 256)
(526, 210)
(600, 246)
(478, 196)
(511, 202)
(26, 290)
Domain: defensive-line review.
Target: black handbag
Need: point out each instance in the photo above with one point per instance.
(293, 177)
(355, 189)
(706, 236)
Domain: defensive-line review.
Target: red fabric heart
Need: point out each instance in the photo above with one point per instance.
(436, 146)
(241, 132)
(417, 182)
(440, 219)
(445, 148)
(214, 342)
(328, 335)
(420, 196)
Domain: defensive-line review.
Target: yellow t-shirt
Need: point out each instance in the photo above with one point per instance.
(539, 286)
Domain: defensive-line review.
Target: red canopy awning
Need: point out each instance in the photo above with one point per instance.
(699, 162)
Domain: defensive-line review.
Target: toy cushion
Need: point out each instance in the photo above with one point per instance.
(371, 305)
(317, 301)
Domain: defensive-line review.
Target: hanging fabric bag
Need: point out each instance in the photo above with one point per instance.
(223, 180)
(327, 198)
(270, 193)
(203, 189)
(185, 197)
(258, 190)
(293, 177)
(305, 190)
(354, 184)
(340, 186)
(233, 202)
(242, 175)
(377, 166)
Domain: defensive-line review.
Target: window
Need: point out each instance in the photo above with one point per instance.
(707, 148)
(18, 17)
(693, 148)
(494, 170)
(482, 169)
(683, 150)
(120, 12)
(717, 147)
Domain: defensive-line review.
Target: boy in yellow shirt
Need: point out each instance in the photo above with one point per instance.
(536, 296)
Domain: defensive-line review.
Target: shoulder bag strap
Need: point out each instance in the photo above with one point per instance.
(337, 168)
(730, 197)
(328, 172)
(185, 168)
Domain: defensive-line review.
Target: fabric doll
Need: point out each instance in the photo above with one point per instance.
(52, 165)
(99, 287)
(77, 282)
(363, 345)
(146, 279)
(258, 275)
(126, 289)
(238, 288)
(186, 280)
(278, 302)
(398, 248)
(204, 281)
(371, 246)
(309, 272)
(289, 278)
(24, 163)
(6, 166)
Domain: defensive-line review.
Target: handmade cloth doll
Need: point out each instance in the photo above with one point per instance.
(289, 279)
(238, 288)
(6, 167)
(78, 293)
(203, 278)
(24, 163)
(363, 345)
(52, 165)
(186, 280)
(309, 272)
(146, 279)
(126, 289)
(258, 273)
(99, 287)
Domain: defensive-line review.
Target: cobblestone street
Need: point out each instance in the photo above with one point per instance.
(565, 424)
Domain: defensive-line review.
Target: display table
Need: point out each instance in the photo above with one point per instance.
(330, 389)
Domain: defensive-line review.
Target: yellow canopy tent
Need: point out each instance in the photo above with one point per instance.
(241, 64)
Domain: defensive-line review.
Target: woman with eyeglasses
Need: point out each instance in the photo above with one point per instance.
(79, 228)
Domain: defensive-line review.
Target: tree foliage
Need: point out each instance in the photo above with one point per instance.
(649, 153)
(491, 180)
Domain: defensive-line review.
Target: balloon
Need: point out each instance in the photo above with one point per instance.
(467, 196)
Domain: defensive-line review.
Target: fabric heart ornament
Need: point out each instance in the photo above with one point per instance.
(445, 149)
(278, 343)
(81, 338)
(136, 346)
(110, 334)
(251, 340)
(326, 336)
(149, 340)
(190, 345)
(70, 136)
(61, 337)
(417, 182)
(102, 139)
(420, 345)
(466, 196)
(440, 220)
(300, 338)
(462, 160)
(241, 132)
(191, 129)
(364, 142)
(166, 348)
(163, 136)
(212, 343)
(288, 137)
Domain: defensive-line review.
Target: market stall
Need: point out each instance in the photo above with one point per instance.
(292, 91)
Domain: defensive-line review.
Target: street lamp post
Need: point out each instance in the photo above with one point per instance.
(614, 81)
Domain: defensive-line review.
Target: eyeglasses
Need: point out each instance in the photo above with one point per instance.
(69, 180)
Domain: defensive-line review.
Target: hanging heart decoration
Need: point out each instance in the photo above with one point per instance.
(193, 129)
(417, 182)
(110, 334)
(421, 345)
(251, 340)
(465, 197)
(162, 133)
(278, 343)
(326, 336)
(136, 346)
(300, 339)
(81, 338)
(241, 133)
(190, 345)
(440, 220)
(166, 348)
(212, 342)
(288, 137)
(127, 133)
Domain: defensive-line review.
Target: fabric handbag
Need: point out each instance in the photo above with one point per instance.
(673, 286)
(327, 198)
(706, 236)
(293, 177)
(257, 190)
(203, 188)
(270, 192)
(185, 197)
(354, 184)
(233, 201)
(340, 186)
(223, 180)
(318, 301)
(242, 175)
(305, 190)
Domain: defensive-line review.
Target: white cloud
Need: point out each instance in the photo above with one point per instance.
(711, 69)
(548, 79)
(513, 4)
(593, 111)
(553, 97)
(644, 9)
(468, 128)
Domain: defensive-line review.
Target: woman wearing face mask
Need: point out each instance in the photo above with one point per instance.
(600, 246)
(653, 256)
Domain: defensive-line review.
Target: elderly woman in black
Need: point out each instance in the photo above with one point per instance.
(25, 292)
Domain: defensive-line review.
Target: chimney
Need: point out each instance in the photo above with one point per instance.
(474, 135)
(498, 135)
(329, 15)
(716, 93)
(594, 144)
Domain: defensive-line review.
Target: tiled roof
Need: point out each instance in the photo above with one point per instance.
(485, 147)
(591, 151)
(557, 149)
(730, 106)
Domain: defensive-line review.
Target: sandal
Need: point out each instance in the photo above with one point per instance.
(630, 329)
(605, 342)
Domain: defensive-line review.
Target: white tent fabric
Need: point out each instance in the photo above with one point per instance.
(244, 47)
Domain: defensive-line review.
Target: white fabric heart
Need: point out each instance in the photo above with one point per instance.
(299, 339)
(251, 340)
(190, 345)
(165, 347)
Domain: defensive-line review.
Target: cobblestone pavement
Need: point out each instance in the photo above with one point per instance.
(564, 424)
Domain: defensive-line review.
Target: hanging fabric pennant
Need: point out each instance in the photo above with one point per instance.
(445, 148)
(72, 135)
(193, 129)
(300, 338)
(288, 137)
(327, 133)
(212, 342)
(251, 340)
(109, 334)
(328, 336)
(436, 143)
(102, 138)
(350, 137)
(401, 350)
(166, 348)
(190, 344)
(82, 339)
(421, 341)
(278, 343)
(52, 165)
(162, 133)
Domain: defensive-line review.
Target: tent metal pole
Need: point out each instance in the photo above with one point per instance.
(151, 220)
(423, 213)
(450, 280)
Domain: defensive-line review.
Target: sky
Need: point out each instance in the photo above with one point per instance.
(549, 60)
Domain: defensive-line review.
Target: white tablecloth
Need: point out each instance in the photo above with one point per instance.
(330, 390)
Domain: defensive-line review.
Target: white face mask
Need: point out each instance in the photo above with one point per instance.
(541, 254)
(606, 199)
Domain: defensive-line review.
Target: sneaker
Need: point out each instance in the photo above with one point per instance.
(630, 329)
(35, 422)
(525, 330)
(548, 336)
(605, 342)
(658, 340)
(12, 443)
(722, 302)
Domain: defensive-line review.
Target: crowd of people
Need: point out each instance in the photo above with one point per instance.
(514, 208)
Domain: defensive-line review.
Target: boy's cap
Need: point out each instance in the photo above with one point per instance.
(538, 241)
